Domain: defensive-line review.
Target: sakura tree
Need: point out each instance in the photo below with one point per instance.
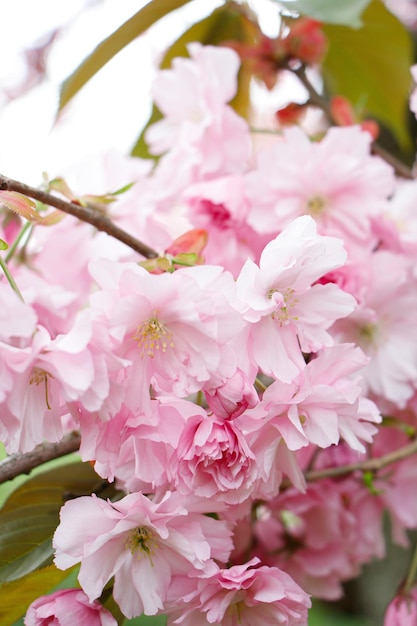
(226, 338)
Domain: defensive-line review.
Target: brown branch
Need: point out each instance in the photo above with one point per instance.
(85, 214)
(17, 464)
(370, 465)
(318, 100)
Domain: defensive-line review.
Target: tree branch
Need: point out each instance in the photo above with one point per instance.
(315, 98)
(85, 214)
(17, 464)
(370, 465)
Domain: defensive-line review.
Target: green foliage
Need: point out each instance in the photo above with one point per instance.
(330, 11)
(25, 547)
(325, 615)
(107, 49)
(17, 595)
(228, 23)
(145, 620)
(371, 67)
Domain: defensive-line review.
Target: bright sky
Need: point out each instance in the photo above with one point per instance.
(111, 110)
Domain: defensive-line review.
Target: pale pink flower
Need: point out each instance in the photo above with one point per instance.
(233, 397)
(142, 543)
(215, 460)
(221, 208)
(336, 181)
(324, 402)
(46, 375)
(243, 594)
(383, 325)
(397, 226)
(204, 135)
(397, 483)
(402, 610)
(209, 78)
(138, 448)
(67, 607)
(320, 537)
(175, 330)
(289, 312)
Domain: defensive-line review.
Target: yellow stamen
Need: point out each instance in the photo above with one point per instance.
(316, 205)
(153, 335)
(39, 376)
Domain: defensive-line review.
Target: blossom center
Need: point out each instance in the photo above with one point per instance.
(153, 336)
(284, 301)
(316, 206)
(39, 376)
(368, 334)
(219, 215)
(141, 542)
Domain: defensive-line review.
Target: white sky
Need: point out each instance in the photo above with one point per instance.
(111, 110)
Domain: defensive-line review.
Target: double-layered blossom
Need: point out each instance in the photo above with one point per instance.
(324, 403)
(175, 331)
(320, 537)
(383, 325)
(337, 181)
(243, 594)
(288, 310)
(214, 460)
(46, 375)
(402, 610)
(141, 542)
(202, 123)
(67, 607)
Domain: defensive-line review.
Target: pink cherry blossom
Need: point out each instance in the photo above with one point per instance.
(215, 460)
(46, 375)
(175, 331)
(233, 397)
(141, 542)
(220, 207)
(384, 327)
(324, 403)
(402, 610)
(67, 608)
(288, 312)
(336, 181)
(243, 594)
(320, 537)
(138, 448)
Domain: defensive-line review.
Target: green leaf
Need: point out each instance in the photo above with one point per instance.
(30, 516)
(107, 49)
(140, 149)
(346, 12)
(3, 245)
(147, 620)
(229, 23)
(16, 596)
(371, 67)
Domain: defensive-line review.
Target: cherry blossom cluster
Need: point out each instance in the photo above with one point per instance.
(208, 392)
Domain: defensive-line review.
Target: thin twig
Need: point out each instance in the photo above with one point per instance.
(19, 463)
(85, 214)
(370, 465)
(318, 100)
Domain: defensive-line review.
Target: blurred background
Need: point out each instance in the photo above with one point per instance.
(41, 44)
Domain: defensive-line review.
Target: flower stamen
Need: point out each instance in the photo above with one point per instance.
(38, 376)
(153, 335)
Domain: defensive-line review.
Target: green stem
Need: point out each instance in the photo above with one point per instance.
(10, 278)
(18, 239)
(411, 574)
(260, 385)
